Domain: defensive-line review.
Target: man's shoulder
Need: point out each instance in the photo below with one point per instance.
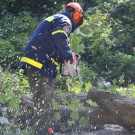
(63, 18)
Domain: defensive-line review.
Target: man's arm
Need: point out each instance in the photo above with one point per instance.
(60, 38)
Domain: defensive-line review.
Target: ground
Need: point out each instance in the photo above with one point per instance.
(109, 129)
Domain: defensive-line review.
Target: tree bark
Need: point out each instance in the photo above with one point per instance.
(113, 109)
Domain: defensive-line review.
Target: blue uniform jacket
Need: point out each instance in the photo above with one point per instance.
(49, 45)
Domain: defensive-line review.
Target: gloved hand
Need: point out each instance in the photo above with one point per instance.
(71, 68)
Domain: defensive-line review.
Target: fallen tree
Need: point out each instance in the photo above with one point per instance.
(113, 108)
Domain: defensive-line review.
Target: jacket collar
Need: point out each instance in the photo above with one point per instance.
(66, 13)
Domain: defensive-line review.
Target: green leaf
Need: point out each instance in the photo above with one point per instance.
(14, 104)
(121, 79)
(94, 104)
(133, 95)
(88, 86)
(75, 100)
(55, 105)
(74, 115)
(57, 115)
(73, 106)
(83, 121)
(76, 89)
(2, 97)
(71, 122)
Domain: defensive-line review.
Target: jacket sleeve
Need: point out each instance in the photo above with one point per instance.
(60, 37)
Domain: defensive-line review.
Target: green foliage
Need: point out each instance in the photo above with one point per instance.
(110, 41)
(71, 122)
(76, 44)
(77, 86)
(15, 130)
(13, 86)
(74, 85)
(15, 31)
(94, 104)
(75, 104)
(57, 116)
(83, 121)
(125, 91)
(88, 86)
(38, 7)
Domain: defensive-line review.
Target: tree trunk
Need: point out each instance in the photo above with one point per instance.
(113, 109)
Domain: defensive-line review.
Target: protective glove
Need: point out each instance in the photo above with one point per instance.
(71, 68)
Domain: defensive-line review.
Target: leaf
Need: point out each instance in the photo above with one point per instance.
(76, 86)
(88, 86)
(121, 79)
(83, 121)
(73, 106)
(2, 97)
(74, 115)
(71, 122)
(57, 115)
(114, 81)
(133, 95)
(14, 104)
(55, 105)
(76, 89)
(94, 104)
(75, 100)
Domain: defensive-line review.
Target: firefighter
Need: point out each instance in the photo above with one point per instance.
(47, 47)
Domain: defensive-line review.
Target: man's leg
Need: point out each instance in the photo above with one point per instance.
(42, 90)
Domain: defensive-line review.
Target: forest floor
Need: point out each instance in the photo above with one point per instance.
(109, 129)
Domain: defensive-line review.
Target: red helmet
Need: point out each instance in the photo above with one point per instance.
(78, 15)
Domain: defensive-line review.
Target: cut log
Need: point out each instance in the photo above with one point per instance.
(113, 109)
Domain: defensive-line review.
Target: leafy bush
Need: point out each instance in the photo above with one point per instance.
(13, 86)
(109, 45)
(15, 31)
